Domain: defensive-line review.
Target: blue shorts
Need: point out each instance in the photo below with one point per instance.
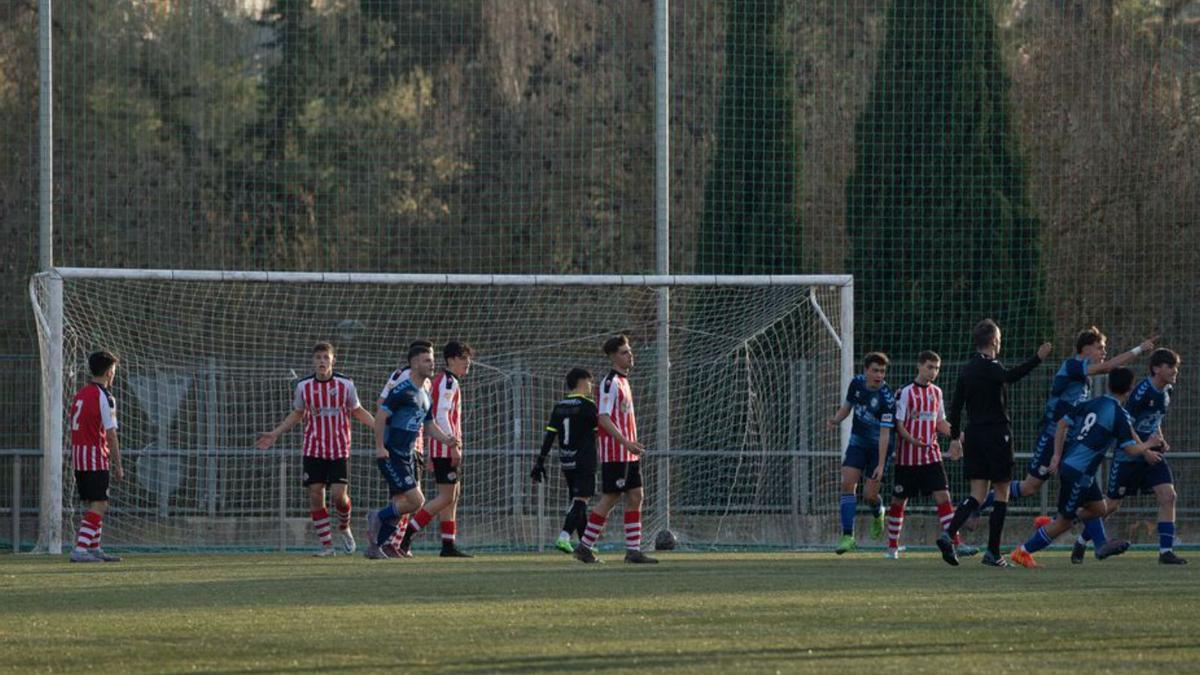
(1075, 490)
(864, 459)
(1130, 479)
(1043, 452)
(398, 472)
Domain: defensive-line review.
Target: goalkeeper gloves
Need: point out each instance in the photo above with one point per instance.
(539, 470)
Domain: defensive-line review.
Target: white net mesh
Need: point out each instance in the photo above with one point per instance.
(206, 365)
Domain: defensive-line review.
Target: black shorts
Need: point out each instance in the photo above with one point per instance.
(581, 481)
(988, 454)
(620, 476)
(443, 473)
(922, 480)
(326, 471)
(92, 485)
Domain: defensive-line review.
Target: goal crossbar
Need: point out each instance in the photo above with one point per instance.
(839, 280)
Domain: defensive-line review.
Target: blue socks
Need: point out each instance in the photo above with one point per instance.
(1038, 541)
(848, 506)
(1166, 537)
(388, 513)
(388, 518)
(1094, 530)
(1014, 491)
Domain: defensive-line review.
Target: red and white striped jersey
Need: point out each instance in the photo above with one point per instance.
(327, 406)
(403, 374)
(447, 410)
(93, 412)
(616, 401)
(919, 408)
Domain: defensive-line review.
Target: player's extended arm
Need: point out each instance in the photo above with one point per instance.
(360, 413)
(1121, 359)
(1060, 440)
(606, 423)
(1014, 374)
(381, 422)
(268, 439)
(114, 455)
(842, 413)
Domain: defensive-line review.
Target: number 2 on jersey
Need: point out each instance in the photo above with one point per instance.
(75, 416)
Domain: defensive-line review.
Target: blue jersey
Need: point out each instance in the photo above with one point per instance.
(1096, 426)
(409, 406)
(1147, 406)
(873, 409)
(1071, 387)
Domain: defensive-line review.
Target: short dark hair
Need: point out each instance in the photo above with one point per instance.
(984, 332)
(576, 375)
(1089, 336)
(875, 357)
(420, 343)
(614, 343)
(323, 347)
(417, 348)
(1120, 381)
(99, 362)
(455, 349)
(1163, 357)
(927, 356)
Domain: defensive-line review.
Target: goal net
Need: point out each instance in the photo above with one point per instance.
(737, 452)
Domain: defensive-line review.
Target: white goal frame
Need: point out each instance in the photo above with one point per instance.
(49, 320)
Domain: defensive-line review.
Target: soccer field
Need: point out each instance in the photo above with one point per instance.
(694, 612)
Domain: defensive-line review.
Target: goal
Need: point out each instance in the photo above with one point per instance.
(731, 385)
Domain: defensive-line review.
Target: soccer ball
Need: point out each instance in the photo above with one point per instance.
(665, 541)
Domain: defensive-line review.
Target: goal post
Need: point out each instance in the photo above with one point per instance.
(208, 358)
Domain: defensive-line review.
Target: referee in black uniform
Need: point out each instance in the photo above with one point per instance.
(987, 453)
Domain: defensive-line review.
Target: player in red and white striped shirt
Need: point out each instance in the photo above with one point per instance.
(620, 454)
(920, 416)
(95, 453)
(325, 401)
(445, 460)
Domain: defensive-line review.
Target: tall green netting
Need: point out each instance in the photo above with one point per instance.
(1033, 160)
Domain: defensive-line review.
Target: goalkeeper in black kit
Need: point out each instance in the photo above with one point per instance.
(573, 421)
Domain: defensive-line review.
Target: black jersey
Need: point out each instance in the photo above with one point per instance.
(574, 422)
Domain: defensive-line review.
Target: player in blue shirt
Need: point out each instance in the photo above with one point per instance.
(871, 401)
(401, 416)
(1072, 386)
(1131, 476)
(1081, 440)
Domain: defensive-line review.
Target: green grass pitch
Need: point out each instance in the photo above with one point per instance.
(712, 612)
